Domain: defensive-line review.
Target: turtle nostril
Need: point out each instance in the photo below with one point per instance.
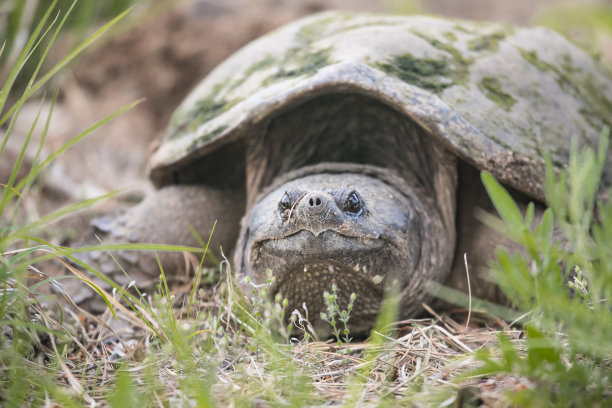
(315, 201)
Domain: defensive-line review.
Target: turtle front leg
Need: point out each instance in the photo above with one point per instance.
(164, 217)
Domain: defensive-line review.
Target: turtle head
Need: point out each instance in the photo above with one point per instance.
(347, 227)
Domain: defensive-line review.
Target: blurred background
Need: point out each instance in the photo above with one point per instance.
(164, 47)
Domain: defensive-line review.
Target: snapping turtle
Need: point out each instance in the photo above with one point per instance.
(350, 145)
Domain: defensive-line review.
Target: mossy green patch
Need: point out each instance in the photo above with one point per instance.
(456, 54)
(203, 110)
(458, 65)
(487, 43)
(572, 79)
(532, 58)
(298, 61)
(210, 106)
(450, 36)
(216, 132)
(491, 87)
(598, 110)
(203, 139)
(425, 73)
(463, 29)
(434, 74)
(266, 62)
(314, 30)
(567, 64)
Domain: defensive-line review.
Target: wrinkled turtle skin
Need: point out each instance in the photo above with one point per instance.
(350, 145)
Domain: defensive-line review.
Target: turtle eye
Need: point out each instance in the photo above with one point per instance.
(285, 202)
(353, 204)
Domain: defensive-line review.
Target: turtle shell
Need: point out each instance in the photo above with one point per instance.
(495, 94)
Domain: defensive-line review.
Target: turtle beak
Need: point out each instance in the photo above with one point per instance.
(317, 212)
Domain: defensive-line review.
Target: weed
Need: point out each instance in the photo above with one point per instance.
(565, 353)
(333, 311)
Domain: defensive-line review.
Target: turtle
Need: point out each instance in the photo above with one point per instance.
(342, 151)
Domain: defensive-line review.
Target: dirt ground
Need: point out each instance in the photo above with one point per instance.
(159, 59)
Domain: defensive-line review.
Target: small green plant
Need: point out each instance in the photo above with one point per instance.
(270, 313)
(579, 284)
(125, 393)
(563, 278)
(333, 311)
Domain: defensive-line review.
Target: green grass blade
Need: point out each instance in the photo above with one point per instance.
(602, 151)
(102, 295)
(124, 393)
(13, 22)
(197, 278)
(503, 202)
(20, 62)
(8, 195)
(31, 325)
(8, 190)
(43, 57)
(65, 61)
(107, 247)
(39, 41)
(28, 50)
(4, 299)
(43, 138)
(164, 288)
(36, 170)
(460, 298)
(24, 231)
(127, 297)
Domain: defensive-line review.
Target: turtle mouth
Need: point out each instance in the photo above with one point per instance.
(325, 245)
(306, 266)
(329, 253)
(305, 286)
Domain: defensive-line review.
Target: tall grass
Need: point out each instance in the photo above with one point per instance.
(29, 338)
(31, 341)
(565, 285)
(19, 20)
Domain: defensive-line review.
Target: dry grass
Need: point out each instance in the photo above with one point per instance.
(416, 362)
